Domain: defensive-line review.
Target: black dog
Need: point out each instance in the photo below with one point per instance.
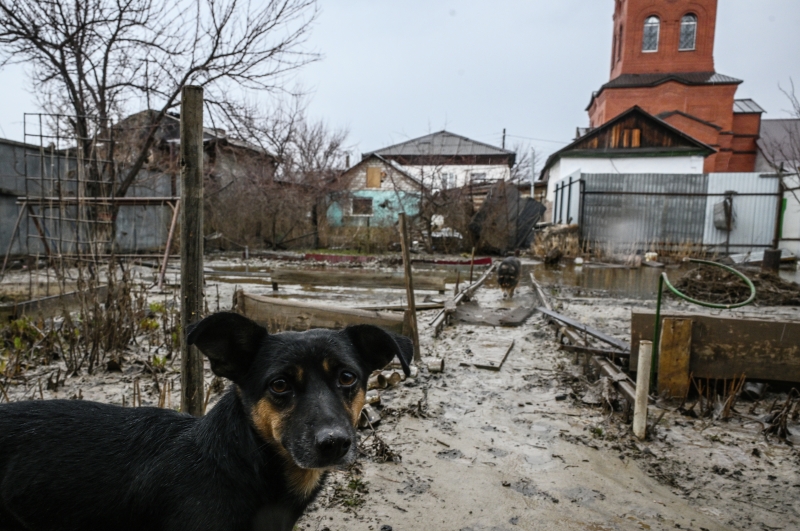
(255, 461)
(508, 275)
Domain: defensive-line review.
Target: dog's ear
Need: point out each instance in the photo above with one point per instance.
(376, 347)
(229, 340)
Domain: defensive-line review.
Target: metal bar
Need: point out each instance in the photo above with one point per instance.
(569, 202)
(678, 194)
(145, 201)
(586, 329)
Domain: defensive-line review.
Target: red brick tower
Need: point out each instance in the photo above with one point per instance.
(662, 60)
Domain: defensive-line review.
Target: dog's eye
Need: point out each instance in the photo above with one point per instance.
(279, 386)
(346, 379)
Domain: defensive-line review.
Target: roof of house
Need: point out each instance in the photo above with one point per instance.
(667, 114)
(651, 80)
(442, 143)
(745, 106)
(399, 168)
(673, 141)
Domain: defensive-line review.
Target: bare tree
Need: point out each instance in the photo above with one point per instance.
(310, 157)
(781, 145)
(92, 59)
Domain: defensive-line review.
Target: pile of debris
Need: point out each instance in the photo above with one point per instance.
(713, 284)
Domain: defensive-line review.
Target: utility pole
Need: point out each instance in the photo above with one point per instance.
(504, 138)
(191, 244)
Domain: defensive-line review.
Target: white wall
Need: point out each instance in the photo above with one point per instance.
(567, 166)
(431, 175)
(791, 216)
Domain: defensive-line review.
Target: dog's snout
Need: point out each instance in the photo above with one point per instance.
(332, 444)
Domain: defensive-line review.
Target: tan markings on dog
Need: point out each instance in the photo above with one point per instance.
(355, 407)
(299, 373)
(267, 420)
(302, 481)
(326, 365)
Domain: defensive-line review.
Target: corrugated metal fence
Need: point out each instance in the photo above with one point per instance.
(642, 211)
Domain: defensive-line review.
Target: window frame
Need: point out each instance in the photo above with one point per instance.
(648, 23)
(692, 23)
(364, 200)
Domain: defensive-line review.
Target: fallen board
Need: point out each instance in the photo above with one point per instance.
(472, 313)
(294, 315)
(673, 359)
(429, 281)
(727, 347)
(491, 356)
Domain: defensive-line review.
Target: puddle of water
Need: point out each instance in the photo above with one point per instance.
(639, 283)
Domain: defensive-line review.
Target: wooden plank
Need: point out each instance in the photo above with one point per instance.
(411, 314)
(451, 304)
(295, 315)
(373, 177)
(420, 306)
(673, 358)
(605, 338)
(433, 282)
(727, 347)
(51, 306)
(491, 356)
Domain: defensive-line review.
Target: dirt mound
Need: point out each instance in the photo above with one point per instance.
(714, 284)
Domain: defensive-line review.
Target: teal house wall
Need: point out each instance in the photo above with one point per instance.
(386, 207)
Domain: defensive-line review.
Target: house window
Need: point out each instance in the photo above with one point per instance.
(688, 32)
(362, 206)
(373, 177)
(448, 181)
(477, 178)
(650, 36)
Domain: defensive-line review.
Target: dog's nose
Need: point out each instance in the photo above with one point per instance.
(332, 444)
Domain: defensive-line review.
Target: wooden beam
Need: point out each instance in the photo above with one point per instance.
(405, 244)
(432, 282)
(451, 304)
(673, 357)
(191, 244)
(295, 315)
(727, 347)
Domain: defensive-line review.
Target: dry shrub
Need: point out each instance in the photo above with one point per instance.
(562, 237)
(714, 284)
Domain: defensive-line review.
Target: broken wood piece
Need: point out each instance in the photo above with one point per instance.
(377, 381)
(725, 347)
(624, 383)
(373, 397)
(434, 364)
(451, 304)
(492, 356)
(283, 314)
(369, 417)
(393, 377)
(355, 279)
(592, 350)
(402, 307)
(673, 357)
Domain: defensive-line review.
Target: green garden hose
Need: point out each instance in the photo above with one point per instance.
(662, 279)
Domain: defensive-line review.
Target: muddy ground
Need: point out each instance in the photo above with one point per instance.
(472, 449)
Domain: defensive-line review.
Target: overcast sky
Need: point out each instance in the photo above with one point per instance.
(395, 70)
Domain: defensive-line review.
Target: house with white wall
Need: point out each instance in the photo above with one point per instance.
(634, 142)
(444, 160)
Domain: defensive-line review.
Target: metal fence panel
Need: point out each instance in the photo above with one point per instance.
(754, 215)
(640, 211)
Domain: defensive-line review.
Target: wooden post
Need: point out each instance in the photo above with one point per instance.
(471, 264)
(191, 244)
(405, 243)
(642, 389)
(673, 357)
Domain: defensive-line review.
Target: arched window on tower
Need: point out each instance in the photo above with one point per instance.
(688, 32)
(650, 37)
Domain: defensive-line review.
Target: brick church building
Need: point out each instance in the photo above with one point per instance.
(662, 61)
